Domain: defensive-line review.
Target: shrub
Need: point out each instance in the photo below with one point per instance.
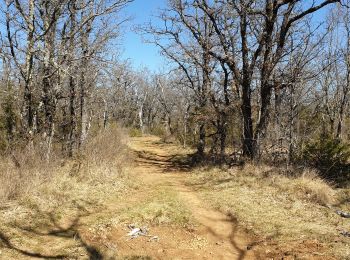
(107, 147)
(329, 156)
(135, 132)
(26, 171)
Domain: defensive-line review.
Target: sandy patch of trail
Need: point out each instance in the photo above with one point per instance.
(217, 236)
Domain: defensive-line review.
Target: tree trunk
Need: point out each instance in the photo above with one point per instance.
(84, 117)
(28, 111)
(72, 83)
(141, 119)
(201, 141)
(49, 97)
(223, 135)
(264, 113)
(83, 110)
(248, 138)
(72, 116)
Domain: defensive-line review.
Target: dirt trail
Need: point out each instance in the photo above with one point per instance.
(93, 234)
(217, 235)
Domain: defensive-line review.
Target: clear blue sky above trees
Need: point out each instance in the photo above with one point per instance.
(142, 54)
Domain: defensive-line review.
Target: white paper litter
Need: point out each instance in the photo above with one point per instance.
(136, 232)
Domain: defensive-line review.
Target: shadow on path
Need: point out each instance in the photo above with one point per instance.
(168, 163)
(159, 157)
(52, 230)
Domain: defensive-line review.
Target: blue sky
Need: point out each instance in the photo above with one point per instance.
(147, 55)
(141, 54)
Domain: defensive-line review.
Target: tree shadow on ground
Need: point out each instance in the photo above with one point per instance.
(243, 250)
(171, 163)
(191, 160)
(53, 229)
(6, 243)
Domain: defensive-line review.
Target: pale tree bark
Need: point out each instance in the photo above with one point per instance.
(141, 112)
(84, 82)
(50, 14)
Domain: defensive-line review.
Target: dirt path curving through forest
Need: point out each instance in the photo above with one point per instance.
(217, 236)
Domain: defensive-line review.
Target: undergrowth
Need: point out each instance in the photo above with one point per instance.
(44, 204)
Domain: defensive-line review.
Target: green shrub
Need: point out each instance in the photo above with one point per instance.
(135, 132)
(329, 156)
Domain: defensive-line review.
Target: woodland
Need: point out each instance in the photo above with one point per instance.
(256, 80)
(246, 83)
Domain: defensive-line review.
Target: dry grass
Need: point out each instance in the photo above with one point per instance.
(309, 187)
(162, 207)
(279, 208)
(26, 172)
(22, 172)
(44, 204)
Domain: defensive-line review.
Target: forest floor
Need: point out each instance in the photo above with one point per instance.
(164, 194)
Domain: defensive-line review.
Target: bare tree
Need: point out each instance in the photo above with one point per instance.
(252, 36)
